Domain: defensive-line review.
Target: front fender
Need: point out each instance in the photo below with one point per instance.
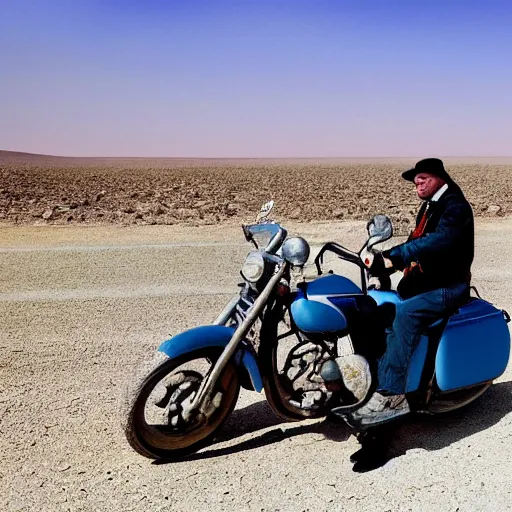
(212, 336)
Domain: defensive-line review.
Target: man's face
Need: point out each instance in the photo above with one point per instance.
(427, 184)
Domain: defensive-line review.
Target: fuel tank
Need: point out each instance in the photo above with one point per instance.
(325, 304)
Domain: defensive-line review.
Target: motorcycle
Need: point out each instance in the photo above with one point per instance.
(283, 337)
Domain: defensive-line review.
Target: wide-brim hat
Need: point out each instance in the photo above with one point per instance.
(428, 165)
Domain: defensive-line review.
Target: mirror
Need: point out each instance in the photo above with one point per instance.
(380, 229)
(265, 210)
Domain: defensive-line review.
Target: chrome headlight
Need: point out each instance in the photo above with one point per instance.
(253, 267)
(295, 250)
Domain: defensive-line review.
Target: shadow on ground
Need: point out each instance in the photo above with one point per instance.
(437, 432)
(427, 432)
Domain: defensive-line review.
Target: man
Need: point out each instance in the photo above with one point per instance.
(436, 260)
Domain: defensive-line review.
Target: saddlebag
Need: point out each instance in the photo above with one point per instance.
(474, 348)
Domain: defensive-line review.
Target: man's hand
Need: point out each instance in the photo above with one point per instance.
(374, 283)
(378, 266)
(379, 272)
(387, 262)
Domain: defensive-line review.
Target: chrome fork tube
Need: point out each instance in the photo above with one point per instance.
(203, 396)
(226, 313)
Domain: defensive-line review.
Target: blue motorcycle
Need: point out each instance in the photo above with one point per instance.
(280, 334)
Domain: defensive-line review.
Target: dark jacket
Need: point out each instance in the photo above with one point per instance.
(444, 252)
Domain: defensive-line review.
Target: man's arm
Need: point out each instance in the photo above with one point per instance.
(438, 244)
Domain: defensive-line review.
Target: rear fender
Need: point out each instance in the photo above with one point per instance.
(213, 336)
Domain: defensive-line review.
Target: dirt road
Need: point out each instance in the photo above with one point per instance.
(80, 307)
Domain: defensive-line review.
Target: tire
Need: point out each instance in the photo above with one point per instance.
(277, 393)
(171, 441)
(457, 399)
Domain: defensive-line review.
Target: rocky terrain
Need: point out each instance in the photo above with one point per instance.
(38, 189)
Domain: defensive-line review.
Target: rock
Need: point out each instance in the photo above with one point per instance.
(200, 204)
(62, 209)
(48, 214)
(159, 210)
(128, 209)
(338, 213)
(185, 213)
(139, 215)
(232, 208)
(295, 214)
(494, 209)
(86, 202)
(32, 201)
(74, 205)
(101, 194)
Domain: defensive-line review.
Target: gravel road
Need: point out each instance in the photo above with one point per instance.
(81, 307)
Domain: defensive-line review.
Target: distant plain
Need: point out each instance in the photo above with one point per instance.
(38, 189)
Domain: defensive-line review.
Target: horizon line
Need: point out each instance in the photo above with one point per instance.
(353, 157)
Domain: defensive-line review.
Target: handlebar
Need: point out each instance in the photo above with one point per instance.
(342, 252)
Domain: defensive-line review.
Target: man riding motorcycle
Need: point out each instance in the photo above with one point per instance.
(436, 261)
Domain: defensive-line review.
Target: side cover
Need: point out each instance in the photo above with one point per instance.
(212, 336)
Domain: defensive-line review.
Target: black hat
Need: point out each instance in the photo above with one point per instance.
(430, 165)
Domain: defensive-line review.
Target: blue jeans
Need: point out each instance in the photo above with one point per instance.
(413, 316)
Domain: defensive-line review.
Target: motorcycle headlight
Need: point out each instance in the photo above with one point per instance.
(296, 251)
(253, 267)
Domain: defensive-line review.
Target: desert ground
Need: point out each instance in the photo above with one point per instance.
(42, 190)
(83, 302)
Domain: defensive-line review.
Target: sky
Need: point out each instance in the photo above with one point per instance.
(218, 78)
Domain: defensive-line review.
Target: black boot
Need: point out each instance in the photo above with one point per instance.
(374, 451)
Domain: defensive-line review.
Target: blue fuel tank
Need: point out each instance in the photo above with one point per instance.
(321, 306)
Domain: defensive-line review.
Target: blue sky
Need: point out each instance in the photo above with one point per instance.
(256, 79)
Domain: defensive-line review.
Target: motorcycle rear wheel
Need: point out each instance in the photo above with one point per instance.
(175, 440)
(449, 402)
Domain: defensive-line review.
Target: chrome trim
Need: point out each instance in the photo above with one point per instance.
(202, 399)
(276, 241)
(226, 313)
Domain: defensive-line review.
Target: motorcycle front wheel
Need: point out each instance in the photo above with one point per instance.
(151, 411)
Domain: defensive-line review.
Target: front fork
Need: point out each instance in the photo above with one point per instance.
(201, 401)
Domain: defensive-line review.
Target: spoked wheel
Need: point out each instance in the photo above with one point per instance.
(290, 364)
(152, 412)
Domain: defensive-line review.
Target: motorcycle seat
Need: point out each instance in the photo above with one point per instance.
(386, 307)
